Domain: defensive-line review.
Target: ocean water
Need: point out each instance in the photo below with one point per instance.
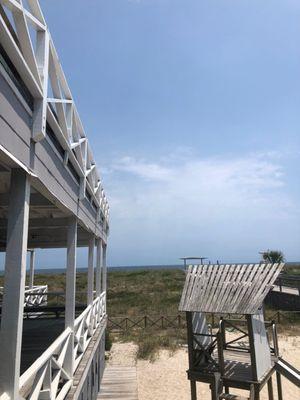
(55, 271)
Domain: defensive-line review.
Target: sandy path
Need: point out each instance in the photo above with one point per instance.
(166, 377)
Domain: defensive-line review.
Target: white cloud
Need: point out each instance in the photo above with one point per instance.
(180, 204)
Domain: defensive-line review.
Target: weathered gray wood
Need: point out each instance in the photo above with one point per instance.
(230, 288)
(119, 383)
(14, 284)
(279, 386)
(270, 389)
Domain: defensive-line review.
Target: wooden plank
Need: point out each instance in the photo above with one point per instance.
(232, 288)
(229, 288)
(119, 383)
(220, 300)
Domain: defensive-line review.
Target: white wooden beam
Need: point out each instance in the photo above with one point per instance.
(40, 104)
(98, 266)
(70, 291)
(90, 288)
(14, 284)
(104, 267)
(31, 271)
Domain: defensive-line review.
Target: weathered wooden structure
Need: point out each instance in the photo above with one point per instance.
(51, 196)
(246, 361)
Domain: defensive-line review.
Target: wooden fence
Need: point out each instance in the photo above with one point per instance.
(160, 322)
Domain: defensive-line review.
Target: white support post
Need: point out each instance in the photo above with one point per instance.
(98, 267)
(70, 291)
(90, 289)
(31, 272)
(104, 267)
(104, 277)
(14, 284)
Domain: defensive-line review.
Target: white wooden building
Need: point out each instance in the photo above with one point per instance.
(51, 196)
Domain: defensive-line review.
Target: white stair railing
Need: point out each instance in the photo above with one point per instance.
(85, 325)
(47, 378)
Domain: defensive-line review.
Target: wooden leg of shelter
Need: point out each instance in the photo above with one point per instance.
(279, 386)
(193, 390)
(226, 389)
(270, 389)
(256, 392)
(216, 386)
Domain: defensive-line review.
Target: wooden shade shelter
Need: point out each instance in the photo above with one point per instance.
(248, 360)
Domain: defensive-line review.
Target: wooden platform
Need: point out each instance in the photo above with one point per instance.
(119, 383)
(38, 334)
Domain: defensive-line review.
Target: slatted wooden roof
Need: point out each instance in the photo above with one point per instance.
(228, 288)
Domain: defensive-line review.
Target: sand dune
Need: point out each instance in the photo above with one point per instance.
(165, 378)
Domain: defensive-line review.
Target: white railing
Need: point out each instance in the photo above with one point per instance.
(37, 62)
(86, 324)
(35, 296)
(47, 378)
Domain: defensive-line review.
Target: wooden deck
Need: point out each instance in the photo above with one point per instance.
(119, 383)
(38, 334)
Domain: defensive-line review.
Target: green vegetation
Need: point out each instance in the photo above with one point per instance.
(273, 256)
(144, 292)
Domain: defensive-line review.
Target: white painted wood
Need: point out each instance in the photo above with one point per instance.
(261, 344)
(104, 267)
(90, 288)
(31, 271)
(40, 105)
(98, 267)
(35, 62)
(14, 283)
(70, 290)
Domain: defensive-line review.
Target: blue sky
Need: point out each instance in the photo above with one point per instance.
(193, 112)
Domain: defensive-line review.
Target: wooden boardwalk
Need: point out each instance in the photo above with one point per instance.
(119, 383)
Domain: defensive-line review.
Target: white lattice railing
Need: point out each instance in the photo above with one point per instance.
(27, 41)
(86, 324)
(47, 378)
(35, 296)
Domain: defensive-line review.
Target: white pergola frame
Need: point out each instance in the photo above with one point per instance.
(37, 62)
(26, 40)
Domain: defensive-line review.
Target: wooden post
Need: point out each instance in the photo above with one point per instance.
(279, 386)
(31, 272)
(104, 266)
(270, 389)
(70, 290)
(189, 325)
(98, 267)
(193, 390)
(90, 288)
(104, 276)
(14, 283)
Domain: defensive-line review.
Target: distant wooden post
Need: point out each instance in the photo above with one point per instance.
(14, 284)
(70, 291)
